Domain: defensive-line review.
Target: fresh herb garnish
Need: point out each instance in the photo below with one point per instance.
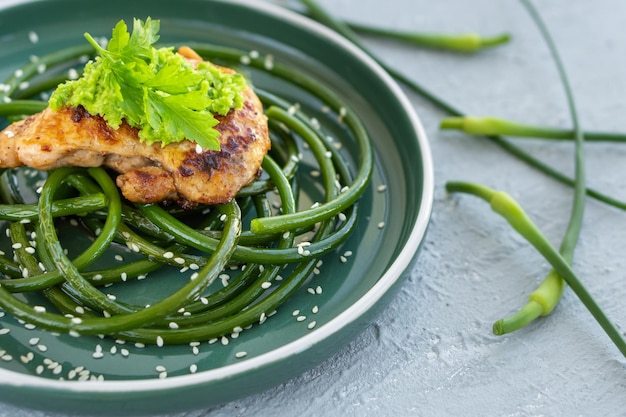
(153, 89)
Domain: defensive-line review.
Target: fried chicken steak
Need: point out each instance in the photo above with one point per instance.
(148, 173)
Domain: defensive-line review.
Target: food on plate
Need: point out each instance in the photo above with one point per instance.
(243, 243)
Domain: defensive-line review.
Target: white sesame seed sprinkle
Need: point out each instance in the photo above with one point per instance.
(17, 246)
(381, 188)
(315, 309)
(193, 368)
(5, 331)
(198, 148)
(266, 285)
(300, 318)
(311, 325)
(173, 325)
(159, 341)
(33, 37)
(241, 354)
(39, 309)
(381, 225)
(168, 255)
(268, 63)
(97, 355)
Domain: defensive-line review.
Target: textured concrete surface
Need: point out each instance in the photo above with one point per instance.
(431, 353)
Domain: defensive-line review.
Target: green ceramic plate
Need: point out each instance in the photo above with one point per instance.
(353, 291)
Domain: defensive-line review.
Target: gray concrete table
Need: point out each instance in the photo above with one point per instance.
(432, 353)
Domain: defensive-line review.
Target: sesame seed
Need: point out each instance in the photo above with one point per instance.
(77, 320)
(300, 318)
(124, 352)
(224, 340)
(381, 188)
(310, 290)
(212, 341)
(16, 246)
(160, 368)
(193, 368)
(254, 54)
(4, 331)
(124, 276)
(113, 350)
(30, 250)
(343, 259)
(381, 225)
(140, 345)
(198, 148)
(315, 310)
(19, 73)
(97, 355)
(119, 258)
(245, 59)
(33, 341)
(173, 325)
(268, 63)
(72, 74)
(39, 370)
(33, 37)
(97, 277)
(241, 354)
(163, 375)
(342, 113)
(39, 309)
(179, 260)
(318, 290)
(311, 325)
(159, 341)
(168, 255)
(342, 217)
(262, 318)
(266, 285)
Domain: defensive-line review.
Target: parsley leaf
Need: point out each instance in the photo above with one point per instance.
(153, 89)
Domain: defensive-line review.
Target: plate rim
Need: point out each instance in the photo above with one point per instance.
(348, 316)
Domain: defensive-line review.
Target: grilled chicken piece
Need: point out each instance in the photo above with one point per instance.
(148, 173)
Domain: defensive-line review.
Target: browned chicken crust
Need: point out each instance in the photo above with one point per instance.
(148, 173)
